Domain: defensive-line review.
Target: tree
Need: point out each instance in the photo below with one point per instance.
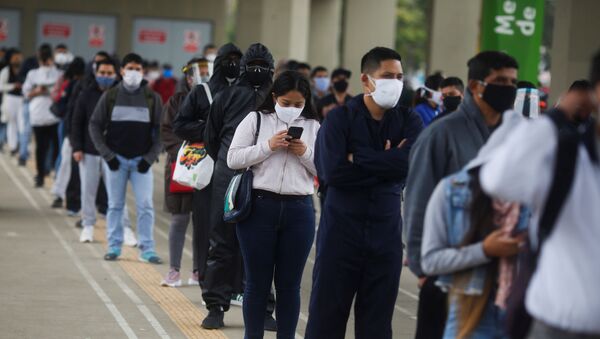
(411, 35)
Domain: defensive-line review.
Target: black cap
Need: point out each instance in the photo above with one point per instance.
(341, 71)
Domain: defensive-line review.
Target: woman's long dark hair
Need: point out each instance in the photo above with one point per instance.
(284, 83)
(75, 69)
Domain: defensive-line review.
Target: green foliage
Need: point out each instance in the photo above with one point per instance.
(411, 35)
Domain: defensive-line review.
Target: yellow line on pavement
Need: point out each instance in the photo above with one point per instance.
(174, 303)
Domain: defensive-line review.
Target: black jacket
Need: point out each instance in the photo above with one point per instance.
(80, 120)
(232, 105)
(190, 120)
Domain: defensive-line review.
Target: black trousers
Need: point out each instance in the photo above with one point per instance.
(433, 310)
(73, 194)
(46, 140)
(201, 231)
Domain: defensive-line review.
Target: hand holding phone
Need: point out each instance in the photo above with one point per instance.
(295, 132)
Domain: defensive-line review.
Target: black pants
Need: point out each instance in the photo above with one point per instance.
(102, 198)
(433, 310)
(355, 260)
(201, 222)
(46, 140)
(275, 241)
(73, 194)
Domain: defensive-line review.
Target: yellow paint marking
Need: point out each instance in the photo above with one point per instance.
(174, 303)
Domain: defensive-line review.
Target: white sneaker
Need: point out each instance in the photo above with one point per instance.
(87, 234)
(130, 239)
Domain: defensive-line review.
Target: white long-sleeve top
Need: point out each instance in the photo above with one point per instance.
(5, 86)
(280, 171)
(39, 106)
(563, 291)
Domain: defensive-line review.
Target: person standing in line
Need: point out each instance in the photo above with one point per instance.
(361, 156)
(85, 154)
(453, 92)
(125, 130)
(429, 99)
(12, 98)
(178, 204)
(227, 111)
(30, 63)
(338, 95)
(36, 89)
(444, 148)
(189, 124)
(276, 238)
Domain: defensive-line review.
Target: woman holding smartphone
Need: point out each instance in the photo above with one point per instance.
(276, 238)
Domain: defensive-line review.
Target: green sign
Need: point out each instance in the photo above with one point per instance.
(514, 27)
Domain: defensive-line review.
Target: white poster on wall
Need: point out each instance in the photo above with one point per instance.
(10, 28)
(170, 41)
(83, 34)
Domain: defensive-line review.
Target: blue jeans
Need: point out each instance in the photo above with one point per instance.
(25, 133)
(491, 324)
(275, 240)
(116, 187)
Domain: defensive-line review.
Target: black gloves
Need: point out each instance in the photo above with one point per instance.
(113, 164)
(143, 166)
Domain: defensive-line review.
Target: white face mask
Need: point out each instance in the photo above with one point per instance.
(211, 57)
(132, 79)
(287, 114)
(153, 75)
(62, 59)
(436, 96)
(387, 92)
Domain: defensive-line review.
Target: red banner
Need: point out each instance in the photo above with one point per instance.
(53, 30)
(96, 36)
(152, 36)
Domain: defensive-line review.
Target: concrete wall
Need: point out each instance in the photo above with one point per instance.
(454, 37)
(325, 33)
(575, 40)
(367, 24)
(281, 25)
(125, 11)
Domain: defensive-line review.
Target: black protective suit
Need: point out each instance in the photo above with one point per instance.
(229, 108)
(189, 124)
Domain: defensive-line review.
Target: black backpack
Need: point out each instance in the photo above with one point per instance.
(518, 320)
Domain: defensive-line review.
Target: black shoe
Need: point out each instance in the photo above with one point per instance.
(57, 203)
(14, 152)
(270, 323)
(39, 182)
(214, 320)
(79, 224)
(22, 162)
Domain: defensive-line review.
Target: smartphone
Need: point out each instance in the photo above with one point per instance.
(295, 132)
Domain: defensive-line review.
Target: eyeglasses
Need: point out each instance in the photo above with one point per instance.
(257, 69)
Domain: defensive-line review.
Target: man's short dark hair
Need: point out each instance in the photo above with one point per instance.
(341, 71)
(370, 62)
(108, 61)
(453, 81)
(481, 65)
(132, 57)
(103, 54)
(209, 46)
(317, 70)
(303, 65)
(595, 70)
(581, 85)
(45, 52)
(61, 46)
(434, 81)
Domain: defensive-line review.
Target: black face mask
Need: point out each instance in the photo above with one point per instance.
(500, 97)
(451, 103)
(256, 78)
(340, 86)
(231, 70)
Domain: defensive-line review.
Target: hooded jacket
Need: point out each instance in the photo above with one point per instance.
(190, 120)
(232, 105)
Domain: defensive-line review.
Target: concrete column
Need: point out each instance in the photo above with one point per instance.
(325, 33)
(367, 24)
(454, 36)
(574, 42)
(281, 25)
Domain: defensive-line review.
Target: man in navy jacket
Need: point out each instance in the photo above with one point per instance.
(362, 158)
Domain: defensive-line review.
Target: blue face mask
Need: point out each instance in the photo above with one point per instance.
(168, 73)
(105, 82)
(322, 84)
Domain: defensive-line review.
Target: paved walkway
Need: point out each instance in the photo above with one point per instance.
(55, 287)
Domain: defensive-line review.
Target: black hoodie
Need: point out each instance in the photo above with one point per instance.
(190, 120)
(232, 105)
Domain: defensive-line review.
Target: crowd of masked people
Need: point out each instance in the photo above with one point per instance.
(488, 189)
